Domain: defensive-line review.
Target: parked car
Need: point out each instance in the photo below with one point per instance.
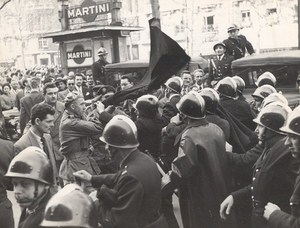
(138, 68)
(285, 66)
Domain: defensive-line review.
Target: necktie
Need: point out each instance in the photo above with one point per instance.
(45, 148)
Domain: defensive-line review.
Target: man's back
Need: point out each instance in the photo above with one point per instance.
(26, 104)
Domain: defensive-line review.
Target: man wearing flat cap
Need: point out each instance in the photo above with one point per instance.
(75, 132)
(237, 44)
(219, 65)
(98, 67)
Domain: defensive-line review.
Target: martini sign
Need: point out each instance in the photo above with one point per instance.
(89, 10)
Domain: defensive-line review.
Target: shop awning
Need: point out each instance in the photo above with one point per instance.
(91, 32)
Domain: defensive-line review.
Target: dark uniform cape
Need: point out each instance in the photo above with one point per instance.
(6, 155)
(170, 109)
(98, 71)
(241, 110)
(205, 177)
(149, 135)
(220, 122)
(138, 194)
(237, 47)
(281, 219)
(273, 180)
(220, 69)
(34, 219)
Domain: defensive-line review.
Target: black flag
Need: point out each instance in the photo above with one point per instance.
(166, 59)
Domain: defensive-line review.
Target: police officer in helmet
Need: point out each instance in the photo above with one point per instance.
(131, 198)
(31, 175)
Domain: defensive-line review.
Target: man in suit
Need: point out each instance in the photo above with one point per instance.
(42, 117)
(220, 64)
(237, 44)
(70, 87)
(50, 93)
(86, 92)
(29, 101)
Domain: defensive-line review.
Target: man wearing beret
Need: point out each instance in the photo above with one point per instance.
(237, 44)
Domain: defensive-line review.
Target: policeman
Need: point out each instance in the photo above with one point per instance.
(172, 93)
(70, 207)
(98, 67)
(133, 198)
(259, 95)
(200, 167)
(274, 172)
(212, 100)
(227, 88)
(148, 125)
(275, 216)
(220, 65)
(31, 175)
(237, 44)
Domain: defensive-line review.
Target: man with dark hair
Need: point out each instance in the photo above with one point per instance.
(27, 102)
(237, 44)
(50, 93)
(86, 92)
(70, 87)
(89, 79)
(126, 82)
(42, 116)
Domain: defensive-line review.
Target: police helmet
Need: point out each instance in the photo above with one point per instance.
(70, 207)
(211, 98)
(174, 84)
(233, 27)
(192, 105)
(292, 125)
(147, 105)
(274, 97)
(240, 83)
(264, 91)
(267, 78)
(31, 163)
(227, 87)
(120, 132)
(102, 51)
(273, 116)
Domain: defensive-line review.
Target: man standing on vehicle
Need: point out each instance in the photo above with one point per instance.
(237, 44)
(98, 66)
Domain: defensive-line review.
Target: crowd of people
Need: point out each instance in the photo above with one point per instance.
(79, 163)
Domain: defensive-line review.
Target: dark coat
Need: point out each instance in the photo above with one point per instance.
(138, 195)
(241, 110)
(87, 93)
(220, 69)
(26, 104)
(237, 47)
(6, 155)
(281, 219)
(98, 71)
(34, 220)
(273, 180)
(149, 135)
(203, 168)
(220, 122)
(170, 109)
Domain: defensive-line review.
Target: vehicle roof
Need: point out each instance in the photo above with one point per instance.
(143, 63)
(268, 59)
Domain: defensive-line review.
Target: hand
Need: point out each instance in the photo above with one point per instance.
(269, 209)
(175, 119)
(226, 206)
(100, 107)
(83, 175)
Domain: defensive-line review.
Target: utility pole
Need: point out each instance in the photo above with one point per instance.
(156, 10)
